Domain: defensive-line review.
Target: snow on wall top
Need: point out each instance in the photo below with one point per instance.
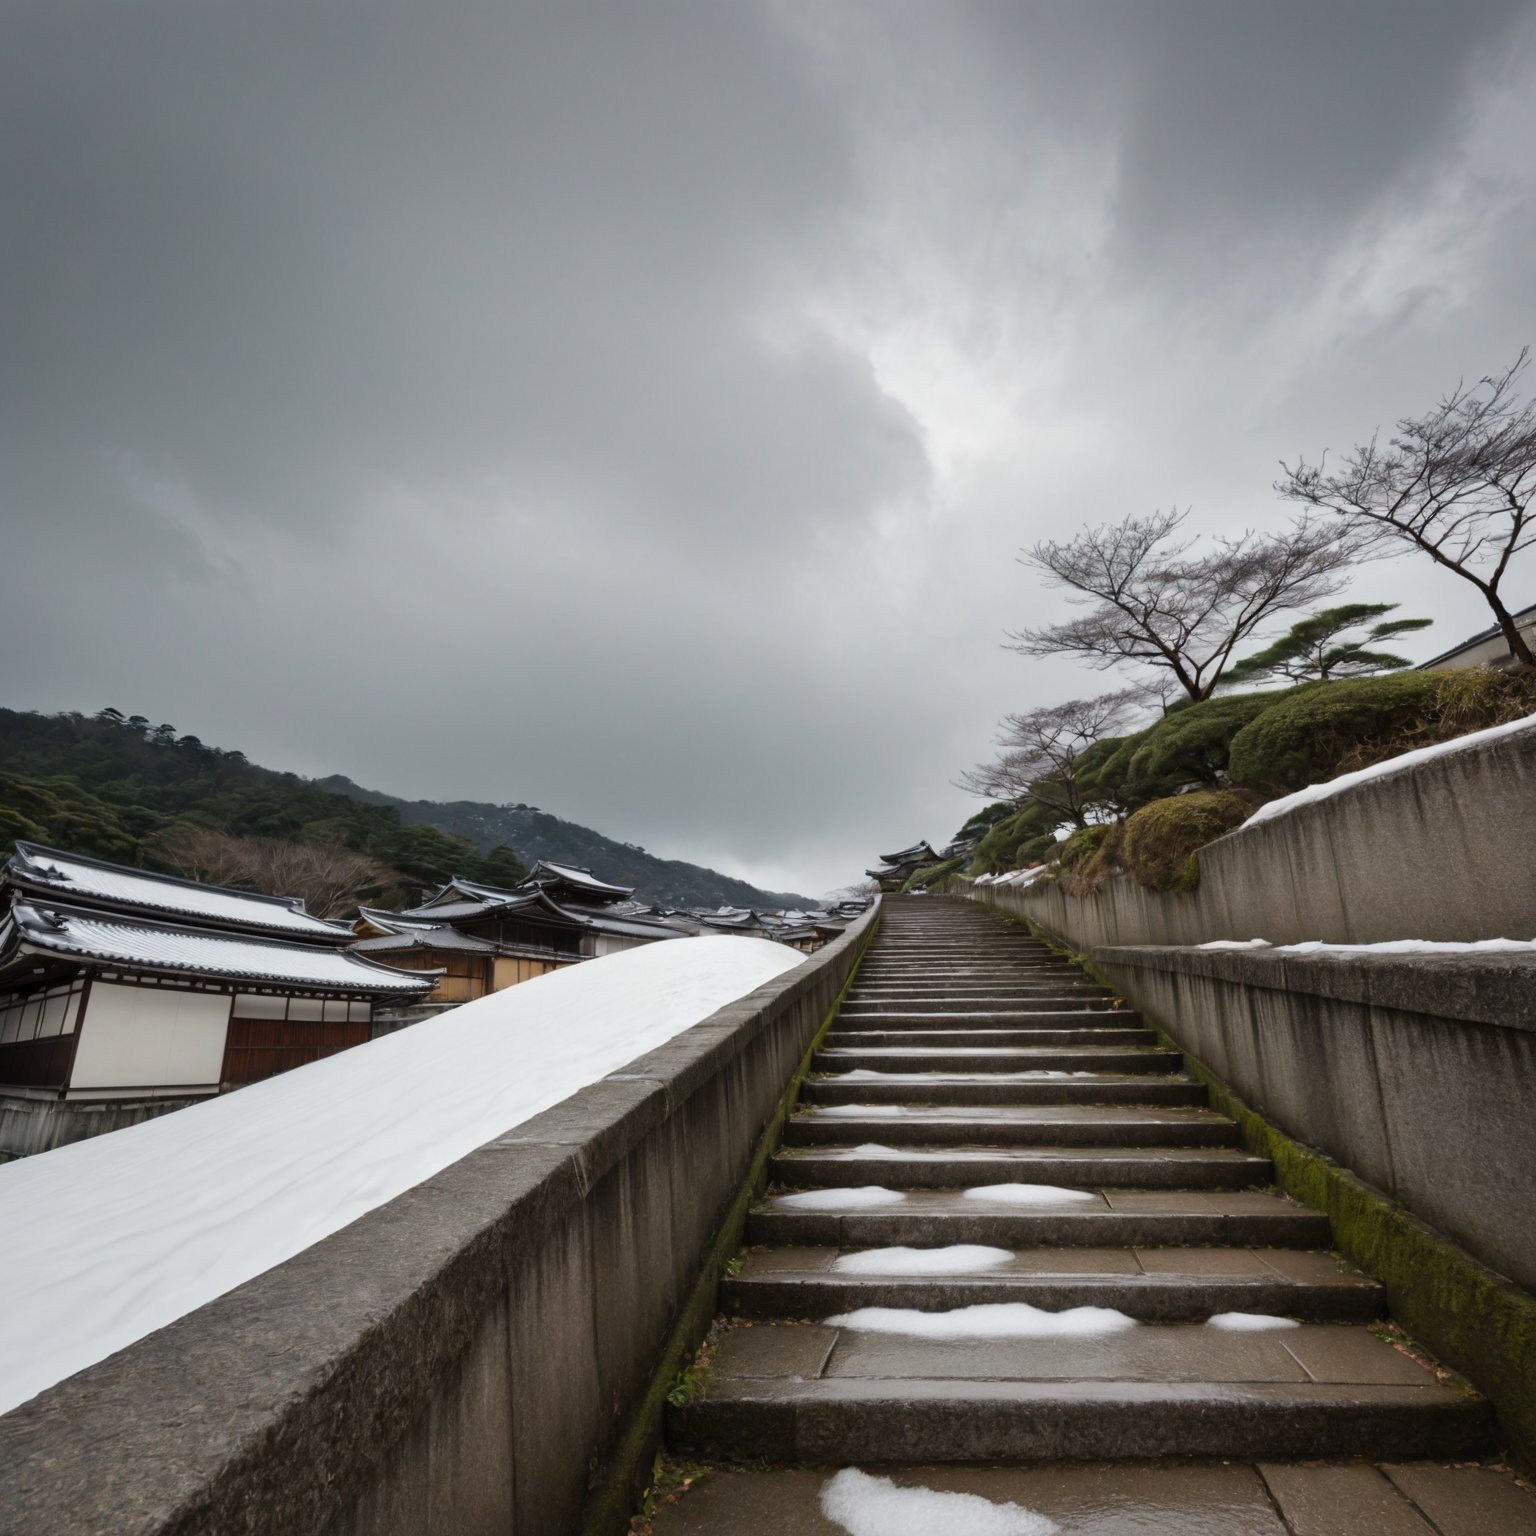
(109, 1239)
(1315, 792)
(73, 876)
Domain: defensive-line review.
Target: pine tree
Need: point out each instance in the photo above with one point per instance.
(1317, 649)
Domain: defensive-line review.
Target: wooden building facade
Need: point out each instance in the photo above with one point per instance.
(119, 984)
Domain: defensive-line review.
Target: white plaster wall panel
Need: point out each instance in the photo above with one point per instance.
(144, 1036)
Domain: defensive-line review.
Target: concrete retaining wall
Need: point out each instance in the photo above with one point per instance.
(29, 1125)
(1418, 1075)
(463, 1359)
(1438, 851)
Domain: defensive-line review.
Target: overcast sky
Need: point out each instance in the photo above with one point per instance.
(636, 409)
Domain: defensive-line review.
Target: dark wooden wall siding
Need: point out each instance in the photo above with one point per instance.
(36, 1063)
(261, 1048)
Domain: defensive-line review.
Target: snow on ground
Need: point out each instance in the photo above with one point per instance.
(864, 1197)
(874, 1149)
(874, 1074)
(875, 1506)
(1028, 1194)
(1414, 947)
(1315, 792)
(860, 1111)
(957, 1259)
(1249, 1322)
(991, 1320)
(1386, 947)
(111, 1238)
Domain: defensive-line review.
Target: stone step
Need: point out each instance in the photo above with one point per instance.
(1107, 1218)
(977, 1007)
(1048, 1015)
(1010, 1125)
(1008, 985)
(1078, 1168)
(1218, 1498)
(816, 1393)
(1158, 1285)
(950, 962)
(986, 1088)
(1045, 1035)
(979, 1059)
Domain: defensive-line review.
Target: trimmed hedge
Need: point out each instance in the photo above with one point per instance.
(1308, 735)
(1161, 840)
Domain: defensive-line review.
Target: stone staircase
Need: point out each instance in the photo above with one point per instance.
(969, 1060)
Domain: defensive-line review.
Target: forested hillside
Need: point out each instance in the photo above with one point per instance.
(538, 835)
(123, 788)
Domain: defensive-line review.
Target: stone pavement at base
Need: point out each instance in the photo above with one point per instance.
(969, 1055)
(1138, 1499)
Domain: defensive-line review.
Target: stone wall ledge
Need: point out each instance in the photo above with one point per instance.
(1494, 989)
(460, 1357)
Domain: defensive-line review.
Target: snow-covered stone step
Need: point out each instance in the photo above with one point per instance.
(1177, 1285)
(1076, 1389)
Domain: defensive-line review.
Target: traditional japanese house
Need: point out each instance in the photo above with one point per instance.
(483, 938)
(470, 964)
(895, 869)
(117, 984)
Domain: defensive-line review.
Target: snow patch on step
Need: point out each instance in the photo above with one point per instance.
(863, 1197)
(1249, 1322)
(869, 1074)
(990, 1320)
(957, 1259)
(875, 1506)
(873, 1149)
(1028, 1194)
(861, 1110)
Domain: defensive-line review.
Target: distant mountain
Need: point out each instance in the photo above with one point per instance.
(535, 834)
(122, 788)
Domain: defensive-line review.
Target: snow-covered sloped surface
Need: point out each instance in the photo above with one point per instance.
(109, 1239)
(1315, 792)
(1450, 947)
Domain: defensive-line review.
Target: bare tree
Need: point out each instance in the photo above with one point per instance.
(1456, 483)
(329, 878)
(1151, 603)
(1039, 752)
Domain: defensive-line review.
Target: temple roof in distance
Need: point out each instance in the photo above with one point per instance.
(578, 881)
(918, 853)
(49, 874)
(133, 943)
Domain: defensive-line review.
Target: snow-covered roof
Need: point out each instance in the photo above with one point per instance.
(918, 853)
(397, 922)
(440, 937)
(43, 871)
(153, 946)
(112, 1238)
(578, 879)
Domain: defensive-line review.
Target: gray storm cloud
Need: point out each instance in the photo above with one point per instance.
(636, 409)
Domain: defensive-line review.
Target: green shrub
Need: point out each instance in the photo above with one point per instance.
(1192, 744)
(1011, 839)
(1082, 846)
(1104, 770)
(1161, 840)
(929, 875)
(1312, 732)
(988, 816)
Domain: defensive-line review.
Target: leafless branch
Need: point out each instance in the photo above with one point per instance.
(1455, 483)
